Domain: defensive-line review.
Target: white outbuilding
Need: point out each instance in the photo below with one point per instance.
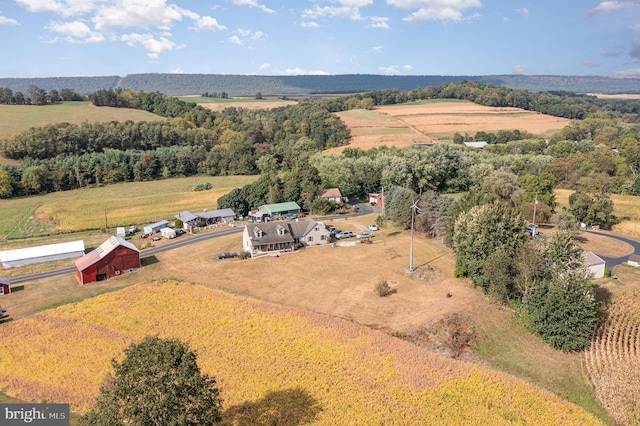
(40, 254)
(595, 264)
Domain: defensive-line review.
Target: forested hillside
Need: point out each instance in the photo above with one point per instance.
(249, 85)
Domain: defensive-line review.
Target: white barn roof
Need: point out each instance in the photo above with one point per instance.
(41, 251)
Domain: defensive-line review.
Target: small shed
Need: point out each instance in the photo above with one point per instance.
(120, 232)
(595, 263)
(634, 260)
(377, 199)
(40, 254)
(112, 258)
(168, 233)
(5, 286)
(155, 227)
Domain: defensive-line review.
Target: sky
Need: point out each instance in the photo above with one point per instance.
(68, 38)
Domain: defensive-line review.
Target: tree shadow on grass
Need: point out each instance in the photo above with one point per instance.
(288, 407)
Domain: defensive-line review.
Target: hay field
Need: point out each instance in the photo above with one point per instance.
(128, 203)
(265, 356)
(401, 125)
(18, 118)
(221, 104)
(613, 359)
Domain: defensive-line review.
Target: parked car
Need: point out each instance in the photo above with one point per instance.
(334, 232)
(179, 231)
(227, 255)
(133, 229)
(373, 227)
(330, 228)
(143, 235)
(531, 229)
(364, 234)
(289, 216)
(344, 234)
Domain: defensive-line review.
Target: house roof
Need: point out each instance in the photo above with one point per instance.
(279, 207)
(592, 259)
(159, 223)
(104, 249)
(329, 193)
(634, 258)
(187, 216)
(474, 144)
(6, 281)
(270, 234)
(41, 251)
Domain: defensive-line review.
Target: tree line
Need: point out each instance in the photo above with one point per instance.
(37, 96)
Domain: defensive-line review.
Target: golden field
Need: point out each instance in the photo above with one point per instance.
(402, 125)
(338, 371)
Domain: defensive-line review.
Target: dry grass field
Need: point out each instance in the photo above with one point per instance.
(402, 125)
(133, 203)
(275, 365)
(221, 104)
(18, 118)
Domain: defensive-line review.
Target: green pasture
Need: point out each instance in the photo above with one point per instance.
(132, 203)
(18, 118)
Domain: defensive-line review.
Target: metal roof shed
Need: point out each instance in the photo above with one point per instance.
(280, 208)
(40, 254)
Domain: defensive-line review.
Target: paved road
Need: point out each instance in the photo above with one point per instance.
(613, 261)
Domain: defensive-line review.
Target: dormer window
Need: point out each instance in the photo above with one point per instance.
(281, 230)
(257, 232)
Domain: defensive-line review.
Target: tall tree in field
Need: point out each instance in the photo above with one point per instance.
(157, 383)
(6, 184)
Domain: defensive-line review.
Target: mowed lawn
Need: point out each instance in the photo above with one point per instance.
(18, 118)
(126, 204)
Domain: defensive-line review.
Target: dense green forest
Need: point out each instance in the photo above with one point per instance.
(249, 85)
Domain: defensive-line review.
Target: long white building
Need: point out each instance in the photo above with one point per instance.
(39, 254)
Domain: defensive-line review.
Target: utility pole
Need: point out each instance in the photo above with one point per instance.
(535, 205)
(106, 227)
(414, 207)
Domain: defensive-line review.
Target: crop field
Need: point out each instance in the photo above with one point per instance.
(402, 125)
(128, 203)
(18, 118)
(613, 359)
(218, 104)
(273, 364)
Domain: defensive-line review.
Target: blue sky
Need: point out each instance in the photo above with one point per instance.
(48, 38)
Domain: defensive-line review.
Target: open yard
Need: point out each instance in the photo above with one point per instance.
(402, 125)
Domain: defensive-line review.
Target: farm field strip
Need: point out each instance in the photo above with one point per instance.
(613, 359)
(352, 374)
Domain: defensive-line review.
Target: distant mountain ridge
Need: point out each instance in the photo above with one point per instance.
(249, 85)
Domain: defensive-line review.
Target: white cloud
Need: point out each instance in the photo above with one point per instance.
(407, 67)
(521, 69)
(391, 69)
(131, 13)
(235, 40)
(61, 7)
(75, 32)
(524, 12)
(616, 51)
(253, 3)
(435, 10)
(207, 23)
(176, 71)
(630, 73)
(309, 24)
(300, 71)
(379, 22)
(7, 21)
(377, 49)
(154, 46)
(610, 6)
(265, 66)
(349, 9)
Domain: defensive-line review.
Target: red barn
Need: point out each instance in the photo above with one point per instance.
(114, 257)
(4, 286)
